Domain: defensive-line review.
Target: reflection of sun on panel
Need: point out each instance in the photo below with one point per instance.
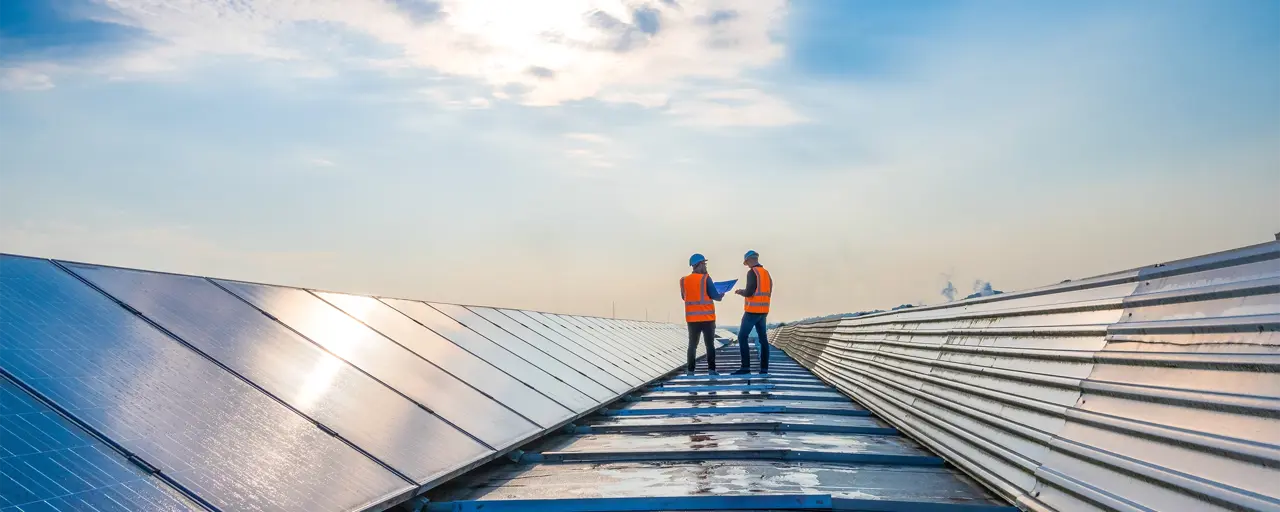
(318, 382)
(343, 343)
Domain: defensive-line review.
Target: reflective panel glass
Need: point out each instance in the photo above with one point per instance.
(623, 358)
(607, 328)
(583, 361)
(452, 358)
(419, 380)
(524, 350)
(605, 360)
(48, 463)
(486, 349)
(209, 431)
(656, 350)
(320, 385)
(640, 354)
(609, 352)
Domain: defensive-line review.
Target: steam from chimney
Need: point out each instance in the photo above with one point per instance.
(950, 291)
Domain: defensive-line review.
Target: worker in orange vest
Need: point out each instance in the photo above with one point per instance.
(699, 292)
(758, 292)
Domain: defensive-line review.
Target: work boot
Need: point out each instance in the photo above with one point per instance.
(744, 371)
(713, 373)
(688, 373)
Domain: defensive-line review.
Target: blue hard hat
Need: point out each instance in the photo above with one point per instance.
(750, 254)
(696, 259)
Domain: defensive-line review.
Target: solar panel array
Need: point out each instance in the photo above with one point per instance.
(124, 389)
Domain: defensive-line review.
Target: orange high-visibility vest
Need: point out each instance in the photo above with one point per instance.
(697, 304)
(759, 303)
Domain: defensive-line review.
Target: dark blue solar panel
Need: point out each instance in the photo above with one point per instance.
(382, 358)
(578, 361)
(452, 358)
(207, 430)
(602, 359)
(327, 389)
(493, 353)
(528, 352)
(48, 463)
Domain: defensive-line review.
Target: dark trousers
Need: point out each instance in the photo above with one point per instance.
(708, 332)
(754, 321)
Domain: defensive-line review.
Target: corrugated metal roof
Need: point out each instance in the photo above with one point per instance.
(1151, 389)
(782, 441)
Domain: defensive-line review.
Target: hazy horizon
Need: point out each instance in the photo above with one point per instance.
(569, 156)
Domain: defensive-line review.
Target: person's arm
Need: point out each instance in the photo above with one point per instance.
(712, 291)
(680, 282)
(751, 285)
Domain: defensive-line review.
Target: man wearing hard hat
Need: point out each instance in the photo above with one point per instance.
(758, 295)
(699, 292)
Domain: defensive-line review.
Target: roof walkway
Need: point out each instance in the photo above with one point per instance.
(785, 441)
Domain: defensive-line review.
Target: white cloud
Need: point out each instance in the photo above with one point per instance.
(321, 162)
(642, 52)
(589, 158)
(593, 138)
(736, 107)
(24, 79)
(454, 98)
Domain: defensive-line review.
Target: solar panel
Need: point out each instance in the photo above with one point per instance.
(328, 390)
(620, 358)
(48, 464)
(611, 329)
(672, 340)
(615, 329)
(573, 359)
(668, 340)
(638, 355)
(417, 379)
(496, 355)
(452, 358)
(603, 359)
(206, 429)
(528, 352)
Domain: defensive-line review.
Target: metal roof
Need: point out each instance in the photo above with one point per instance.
(1156, 388)
(781, 441)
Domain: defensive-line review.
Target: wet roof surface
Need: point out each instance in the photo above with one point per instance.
(785, 441)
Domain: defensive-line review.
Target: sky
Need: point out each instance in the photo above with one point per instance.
(570, 155)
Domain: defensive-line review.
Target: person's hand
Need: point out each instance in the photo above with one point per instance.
(741, 292)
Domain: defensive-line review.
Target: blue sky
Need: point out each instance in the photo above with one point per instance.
(570, 155)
